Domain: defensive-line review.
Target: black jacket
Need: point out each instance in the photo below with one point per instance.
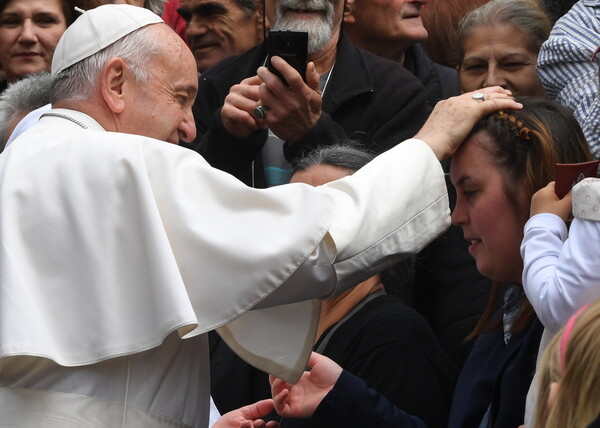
(372, 99)
(440, 82)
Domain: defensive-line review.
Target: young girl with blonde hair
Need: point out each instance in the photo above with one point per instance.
(570, 373)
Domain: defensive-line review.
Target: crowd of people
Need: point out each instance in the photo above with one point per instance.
(374, 241)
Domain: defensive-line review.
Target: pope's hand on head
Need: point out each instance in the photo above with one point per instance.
(452, 119)
(293, 108)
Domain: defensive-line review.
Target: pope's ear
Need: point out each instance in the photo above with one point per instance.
(349, 12)
(114, 83)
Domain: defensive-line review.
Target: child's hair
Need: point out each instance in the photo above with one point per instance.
(572, 359)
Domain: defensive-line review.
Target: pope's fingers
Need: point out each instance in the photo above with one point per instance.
(494, 90)
(496, 104)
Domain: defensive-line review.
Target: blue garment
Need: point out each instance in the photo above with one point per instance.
(352, 404)
(496, 376)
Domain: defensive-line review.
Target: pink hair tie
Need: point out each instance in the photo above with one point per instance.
(565, 338)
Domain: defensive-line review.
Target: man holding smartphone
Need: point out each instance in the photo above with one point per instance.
(345, 93)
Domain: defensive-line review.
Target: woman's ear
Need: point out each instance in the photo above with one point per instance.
(349, 12)
(113, 84)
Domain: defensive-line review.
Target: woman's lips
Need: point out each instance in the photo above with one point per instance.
(27, 54)
(473, 244)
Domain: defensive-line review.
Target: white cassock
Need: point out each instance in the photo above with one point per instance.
(115, 247)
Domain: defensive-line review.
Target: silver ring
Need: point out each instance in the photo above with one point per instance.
(478, 96)
(260, 112)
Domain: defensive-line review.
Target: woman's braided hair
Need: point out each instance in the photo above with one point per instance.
(526, 145)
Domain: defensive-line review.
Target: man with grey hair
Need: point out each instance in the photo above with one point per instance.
(217, 29)
(345, 93)
(119, 252)
(19, 99)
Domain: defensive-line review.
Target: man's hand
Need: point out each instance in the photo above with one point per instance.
(452, 119)
(546, 201)
(237, 113)
(248, 417)
(293, 109)
(302, 399)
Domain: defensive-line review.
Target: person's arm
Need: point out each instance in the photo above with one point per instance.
(368, 235)
(333, 397)
(352, 404)
(543, 240)
(287, 244)
(559, 274)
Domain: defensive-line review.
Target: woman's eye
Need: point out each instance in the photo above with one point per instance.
(10, 22)
(45, 20)
(475, 68)
(513, 65)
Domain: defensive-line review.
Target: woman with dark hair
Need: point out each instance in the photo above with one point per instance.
(508, 156)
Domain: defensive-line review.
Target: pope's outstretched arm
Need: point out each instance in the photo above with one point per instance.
(389, 209)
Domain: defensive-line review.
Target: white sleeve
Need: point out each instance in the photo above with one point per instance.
(388, 210)
(560, 274)
(391, 208)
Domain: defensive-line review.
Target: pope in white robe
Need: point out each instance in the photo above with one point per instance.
(119, 252)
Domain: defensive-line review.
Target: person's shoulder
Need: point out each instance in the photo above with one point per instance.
(351, 55)
(586, 199)
(389, 74)
(376, 62)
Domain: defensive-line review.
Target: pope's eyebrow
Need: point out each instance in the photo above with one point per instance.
(192, 91)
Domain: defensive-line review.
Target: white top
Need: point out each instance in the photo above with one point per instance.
(113, 243)
(561, 274)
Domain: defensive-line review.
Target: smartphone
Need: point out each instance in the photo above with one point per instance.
(292, 46)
